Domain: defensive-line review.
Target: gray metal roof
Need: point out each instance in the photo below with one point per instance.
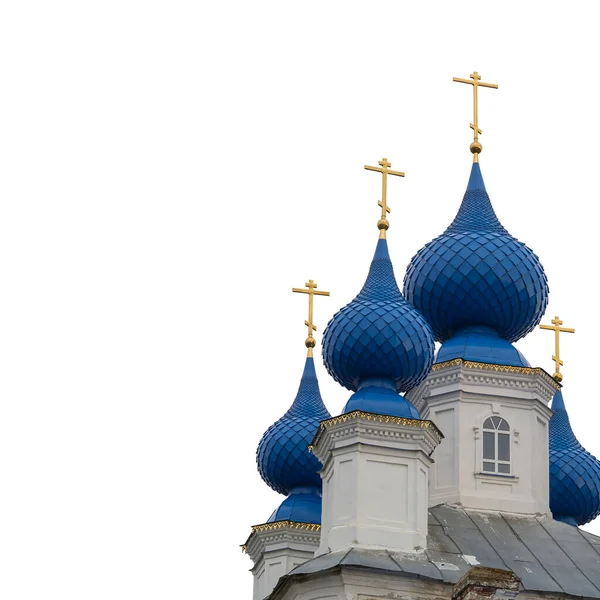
(549, 556)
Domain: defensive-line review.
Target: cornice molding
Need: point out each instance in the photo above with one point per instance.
(483, 374)
(267, 534)
(469, 364)
(369, 426)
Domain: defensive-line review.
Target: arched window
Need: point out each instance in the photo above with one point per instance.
(496, 446)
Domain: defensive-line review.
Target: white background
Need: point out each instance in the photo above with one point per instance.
(169, 171)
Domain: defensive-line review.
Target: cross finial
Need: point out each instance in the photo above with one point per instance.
(383, 223)
(475, 82)
(311, 291)
(556, 327)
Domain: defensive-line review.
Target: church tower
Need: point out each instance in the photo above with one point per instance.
(574, 472)
(377, 455)
(447, 475)
(292, 533)
(481, 290)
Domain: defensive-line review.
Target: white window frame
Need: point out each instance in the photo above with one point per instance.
(495, 429)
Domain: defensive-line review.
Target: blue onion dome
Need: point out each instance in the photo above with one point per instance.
(479, 343)
(378, 344)
(379, 396)
(283, 459)
(476, 273)
(574, 472)
(303, 505)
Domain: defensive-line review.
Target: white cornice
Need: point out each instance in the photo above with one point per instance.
(484, 378)
(269, 535)
(381, 430)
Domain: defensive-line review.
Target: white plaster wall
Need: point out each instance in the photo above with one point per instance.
(459, 410)
(356, 584)
(273, 565)
(375, 496)
(444, 471)
(541, 462)
(359, 584)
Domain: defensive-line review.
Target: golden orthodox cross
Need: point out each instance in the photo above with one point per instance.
(311, 291)
(556, 327)
(476, 83)
(383, 223)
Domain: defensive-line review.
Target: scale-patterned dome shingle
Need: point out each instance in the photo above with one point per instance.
(283, 459)
(574, 472)
(379, 334)
(476, 273)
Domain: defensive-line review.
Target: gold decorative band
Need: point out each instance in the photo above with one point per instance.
(447, 364)
(284, 524)
(359, 414)
(281, 525)
(355, 414)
